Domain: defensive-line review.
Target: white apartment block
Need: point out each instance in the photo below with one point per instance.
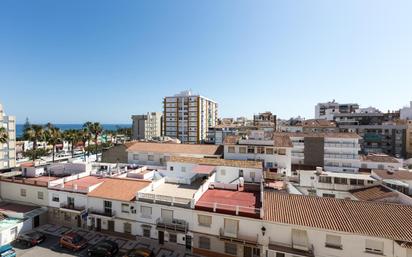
(147, 126)
(333, 151)
(329, 109)
(212, 216)
(274, 150)
(8, 150)
(188, 117)
(406, 112)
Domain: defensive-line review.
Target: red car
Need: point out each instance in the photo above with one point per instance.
(73, 241)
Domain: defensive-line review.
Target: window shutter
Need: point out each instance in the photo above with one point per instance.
(299, 239)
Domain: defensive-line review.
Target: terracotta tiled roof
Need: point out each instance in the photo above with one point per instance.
(373, 193)
(174, 148)
(230, 140)
(407, 245)
(119, 189)
(358, 217)
(321, 134)
(218, 162)
(379, 158)
(400, 174)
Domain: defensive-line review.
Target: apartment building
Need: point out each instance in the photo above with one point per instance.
(400, 180)
(409, 140)
(329, 109)
(333, 151)
(265, 120)
(319, 125)
(273, 149)
(8, 150)
(147, 126)
(157, 154)
(187, 117)
(406, 112)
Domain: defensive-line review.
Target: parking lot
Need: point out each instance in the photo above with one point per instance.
(50, 247)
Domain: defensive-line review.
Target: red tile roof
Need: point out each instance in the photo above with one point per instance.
(84, 182)
(379, 158)
(174, 148)
(218, 162)
(375, 219)
(374, 193)
(15, 207)
(119, 189)
(399, 174)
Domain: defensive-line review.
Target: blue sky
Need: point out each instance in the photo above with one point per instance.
(73, 60)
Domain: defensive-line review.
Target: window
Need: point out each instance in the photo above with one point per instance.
(204, 220)
(231, 248)
(125, 208)
(173, 238)
(342, 181)
(312, 192)
(167, 215)
(333, 241)
(299, 239)
(359, 182)
(231, 226)
(240, 173)
(146, 232)
(146, 211)
(328, 195)
(269, 150)
(40, 195)
(381, 166)
(204, 242)
(324, 179)
(282, 151)
(135, 157)
(231, 149)
(280, 255)
(250, 149)
(150, 158)
(67, 217)
(107, 207)
(372, 246)
(23, 192)
(55, 198)
(242, 149)
(183, 169)
(260, 150)
(127, 228)
(171, 168)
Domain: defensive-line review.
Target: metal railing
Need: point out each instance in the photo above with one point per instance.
(173, 224)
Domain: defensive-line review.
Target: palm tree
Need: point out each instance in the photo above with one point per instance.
(34, 133)
(72, 137)
(96, 130)
(86, 129)
(4, 137)
(84, 137)
(53, 137)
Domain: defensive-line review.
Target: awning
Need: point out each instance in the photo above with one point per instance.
(203, 169)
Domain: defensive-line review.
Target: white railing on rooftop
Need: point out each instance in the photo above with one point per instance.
(237, 209)
(165, 198)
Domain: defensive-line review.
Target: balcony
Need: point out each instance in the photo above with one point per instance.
(72, 208)
(172, 225)
(237, 237)
(290, 250)
(104, 213)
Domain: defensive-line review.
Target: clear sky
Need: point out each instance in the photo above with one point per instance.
(69, 61)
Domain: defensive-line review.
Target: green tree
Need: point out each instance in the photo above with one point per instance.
(34, 133)
(71, 136)
(53, 137)
(96, 130)
(4, 137)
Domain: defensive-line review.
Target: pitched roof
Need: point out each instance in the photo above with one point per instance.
(400, 174)
(379, 158)
(218, 162)
(119, 189)
(174, 148)
(373, 193)
(359, 217)
(280, 140)
(319, 123)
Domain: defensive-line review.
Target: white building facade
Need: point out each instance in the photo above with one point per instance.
(147, 126)
(8, 150)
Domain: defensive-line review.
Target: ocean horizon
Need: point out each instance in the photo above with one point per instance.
(63, 127)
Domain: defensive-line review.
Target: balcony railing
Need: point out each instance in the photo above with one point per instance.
(173, 225)
(236, 237)
(290, 250)
(72, 207)
(104, 213)
(164, 199)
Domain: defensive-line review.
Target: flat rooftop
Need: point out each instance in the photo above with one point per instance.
(177, 190)
(229, 202)
(84, 182)
(17, 208)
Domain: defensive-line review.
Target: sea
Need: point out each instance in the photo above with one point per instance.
(63, 127)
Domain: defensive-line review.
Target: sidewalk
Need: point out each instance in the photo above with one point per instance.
(125, 242)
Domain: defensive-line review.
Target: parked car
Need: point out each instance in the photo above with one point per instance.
(139, 252)
(31, 238)
(105, 248)
(7, 251)
(73, 241)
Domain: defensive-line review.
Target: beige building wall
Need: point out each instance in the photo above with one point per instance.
(8, 150)
(409, 139)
